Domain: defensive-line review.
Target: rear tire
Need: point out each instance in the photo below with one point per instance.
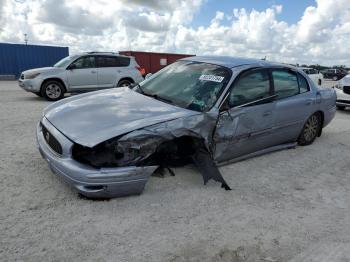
(52, 90)
(124, 83)
(311, 129)
(341, 107)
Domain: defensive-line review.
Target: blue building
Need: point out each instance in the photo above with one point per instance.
(15, 58)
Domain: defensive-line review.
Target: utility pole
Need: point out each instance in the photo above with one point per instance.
(26, 39)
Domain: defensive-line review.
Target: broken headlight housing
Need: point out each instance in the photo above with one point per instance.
(102, 155)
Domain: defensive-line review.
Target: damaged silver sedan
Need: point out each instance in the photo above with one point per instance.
(201, 110)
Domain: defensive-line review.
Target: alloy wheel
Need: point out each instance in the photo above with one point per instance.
(311, 128)
(53, 91)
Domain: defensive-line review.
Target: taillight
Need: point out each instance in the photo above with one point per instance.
(141, 70)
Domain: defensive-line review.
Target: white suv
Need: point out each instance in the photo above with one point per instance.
(81, 73)
(315, 75)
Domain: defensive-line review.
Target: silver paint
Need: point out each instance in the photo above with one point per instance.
(143, 123)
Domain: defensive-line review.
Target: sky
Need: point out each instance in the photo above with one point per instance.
(290, 31)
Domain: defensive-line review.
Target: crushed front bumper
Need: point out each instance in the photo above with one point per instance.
(90, 182)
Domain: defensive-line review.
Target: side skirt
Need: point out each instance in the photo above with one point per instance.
(259, 153)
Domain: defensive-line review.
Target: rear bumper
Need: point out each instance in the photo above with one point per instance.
(91, 182)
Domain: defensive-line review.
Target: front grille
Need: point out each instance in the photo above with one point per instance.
(346, 89)
(51, 140)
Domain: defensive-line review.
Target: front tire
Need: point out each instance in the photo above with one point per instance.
(341, 107)
(319, 82)
(52, 90)
(311, 129)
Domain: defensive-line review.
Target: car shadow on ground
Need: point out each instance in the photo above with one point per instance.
(345, 111)
(35, 98)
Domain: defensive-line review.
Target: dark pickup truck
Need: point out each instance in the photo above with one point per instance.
(334, 74)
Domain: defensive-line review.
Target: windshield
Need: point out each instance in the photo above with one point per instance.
(188, 84)
(65, 61)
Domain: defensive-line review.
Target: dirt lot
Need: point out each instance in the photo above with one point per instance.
(289, 205)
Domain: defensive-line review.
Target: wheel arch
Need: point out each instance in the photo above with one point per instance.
(321, 113)
(54, 79)
(125, 78)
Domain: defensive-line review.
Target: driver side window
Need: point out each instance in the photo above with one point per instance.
(250, 87)
(85, 62)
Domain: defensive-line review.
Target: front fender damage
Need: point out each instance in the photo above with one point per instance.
(174, 143)
(169, 144)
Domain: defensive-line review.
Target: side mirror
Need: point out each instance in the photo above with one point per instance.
(71, 67)
(148, 75)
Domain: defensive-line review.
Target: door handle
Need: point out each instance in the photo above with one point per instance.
(267, 113)
(93, 72)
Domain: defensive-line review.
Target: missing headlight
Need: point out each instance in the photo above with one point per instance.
(102, 155)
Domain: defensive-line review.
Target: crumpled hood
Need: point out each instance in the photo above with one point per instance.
(92, 118)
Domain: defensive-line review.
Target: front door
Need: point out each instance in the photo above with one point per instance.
(82, 74)
(245, 122)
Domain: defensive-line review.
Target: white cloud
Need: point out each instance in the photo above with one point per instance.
(150, 22)
(320, 36)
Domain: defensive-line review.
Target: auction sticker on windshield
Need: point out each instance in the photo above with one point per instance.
(213, 78)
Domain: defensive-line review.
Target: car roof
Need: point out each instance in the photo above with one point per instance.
(104, 54)
(230, 62)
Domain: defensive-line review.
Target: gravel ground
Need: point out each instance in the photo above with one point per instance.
(283, 206)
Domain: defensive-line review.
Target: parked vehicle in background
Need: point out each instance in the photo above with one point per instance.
(314, 74)
(343, 92)
(334, 74)
(153, 62)
(81, 73)
(201, 110)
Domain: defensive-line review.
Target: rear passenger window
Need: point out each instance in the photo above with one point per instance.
(107, 61)
(249, 88)
(303, 85)
(113, 61)
(285, 83)
(123, 61)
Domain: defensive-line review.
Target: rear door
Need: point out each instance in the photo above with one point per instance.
(107, 71)
(294, 104)
(111, 70)
(82, 74)
(246, 118)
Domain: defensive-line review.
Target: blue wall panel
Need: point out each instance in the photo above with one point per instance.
(15, 58)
